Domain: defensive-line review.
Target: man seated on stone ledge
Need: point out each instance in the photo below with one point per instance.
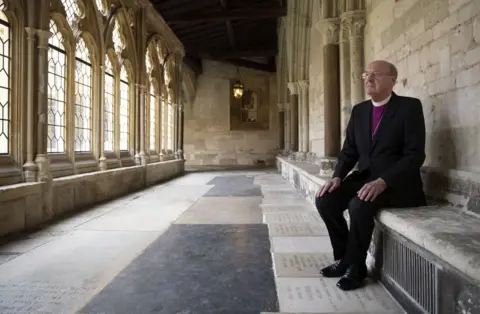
(386, 136)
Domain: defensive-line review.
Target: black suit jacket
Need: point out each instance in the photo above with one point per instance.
(395, 153)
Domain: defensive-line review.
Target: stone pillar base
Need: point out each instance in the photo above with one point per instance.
(44, 175)
(30, 170)
(292, 156)
(143, 159)
(102, 164)
(137, 159)
(327, 166)
(301, 156)
(163, 155)
(179, 155)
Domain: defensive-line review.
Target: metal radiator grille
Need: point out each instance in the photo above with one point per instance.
(412, 272)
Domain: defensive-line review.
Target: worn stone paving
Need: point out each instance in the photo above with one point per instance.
(210, 242)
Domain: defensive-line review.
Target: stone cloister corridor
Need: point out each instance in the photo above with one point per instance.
(163, 156)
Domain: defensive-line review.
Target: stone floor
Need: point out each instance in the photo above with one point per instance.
(210, 242)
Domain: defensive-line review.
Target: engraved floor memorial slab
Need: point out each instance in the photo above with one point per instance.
(296, 229)
(314, 294)
(300, 264)
(302, 245)
(308, 217)
(272, 208)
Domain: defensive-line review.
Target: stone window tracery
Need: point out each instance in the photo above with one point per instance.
(117, 37)
(72, 10)
(56, 92)
(83, 98)
(108, 123)
(124, 110)
(5, 58)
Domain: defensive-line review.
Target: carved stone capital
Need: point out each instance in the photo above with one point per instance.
(329, 28)
(43, 37)
(354, 23)
(31, 32)
(303, 86)
(293, 88)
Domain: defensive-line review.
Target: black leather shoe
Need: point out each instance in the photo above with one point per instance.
(337, 269)
(353, 278)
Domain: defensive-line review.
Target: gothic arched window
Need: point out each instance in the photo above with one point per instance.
(57, 65)
(83, 98)
(5, 57)
(153, 118)
(124, 109)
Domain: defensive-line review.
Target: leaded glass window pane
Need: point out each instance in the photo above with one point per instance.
(124, 110)
(72, 10)
(83, 99)
(117, 37)
(153, 118)
(5, 55)
(164, 124)
(56, 92)
(109, 107)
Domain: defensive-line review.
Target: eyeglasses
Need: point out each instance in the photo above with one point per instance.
(374, 75)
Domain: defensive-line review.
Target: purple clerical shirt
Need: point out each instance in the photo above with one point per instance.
(377, 112)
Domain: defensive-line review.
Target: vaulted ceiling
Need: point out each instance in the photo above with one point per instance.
(242, 32)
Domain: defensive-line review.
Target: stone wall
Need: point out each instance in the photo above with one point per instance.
(436, 46)
(208, 138)
(27, 205)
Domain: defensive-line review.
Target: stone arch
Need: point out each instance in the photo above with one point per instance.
(129, 52)
(113, 58)
(91, 23)
(67, 34)
(129, 68)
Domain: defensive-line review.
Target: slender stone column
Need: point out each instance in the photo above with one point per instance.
(41, 159)
(303, 103)
(161, 140)
(137, 125)
(281, 125)
(142, 96)
(294, 127)
(180, 134)
(287, 128)
(30, 167)
(102, 160)
(356, 21)
(331, 83)
(345, 75)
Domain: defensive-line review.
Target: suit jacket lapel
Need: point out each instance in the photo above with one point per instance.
(366, 126)
(388, 114)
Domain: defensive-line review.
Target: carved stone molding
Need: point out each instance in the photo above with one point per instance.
(293, 88)
(329, 28)
(43, 37)
(354, 23)
(327, 166)
(303, 86)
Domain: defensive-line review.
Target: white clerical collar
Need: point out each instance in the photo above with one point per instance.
(381, 103)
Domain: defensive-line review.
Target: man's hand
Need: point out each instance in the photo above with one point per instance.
(371, 190)
(329, 187)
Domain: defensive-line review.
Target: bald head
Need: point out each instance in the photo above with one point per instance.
(380, 79)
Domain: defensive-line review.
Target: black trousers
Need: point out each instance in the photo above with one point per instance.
(350, 245)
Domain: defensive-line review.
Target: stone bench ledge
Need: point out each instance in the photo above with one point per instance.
(449, 233)
(446, 232)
